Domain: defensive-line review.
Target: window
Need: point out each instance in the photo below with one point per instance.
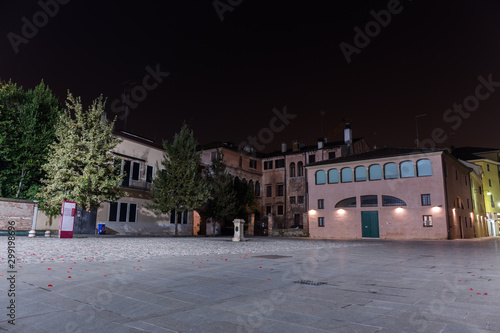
(292, 169)
(456, 174)
(280, 209)
(425, 199)
(268, 210)
(424, 168)
(346, 175)
(321, 203)
(407, 169)
(388, 200)
(136, 168)
(300, 199)
(480, 190)
(279, 190)
(465, 180)
(487, 167)
(252, 164)
(292, 200)
(390, 171)
(360, 174)
(268, 165)
(333, 176)
(492, 201)
(300, 169)
(279, 163)
(321, 221)
(269, 191)
(240, 164)
(348, 202)
(149, 173)
(375, 172)
(213, 156)
(427, 220)
(181, 217)
(320, 177)
(489, 182)
(312, 159)
(257, 189)
(369, 201)
(468, 203)
(122, 212)
(331, 155)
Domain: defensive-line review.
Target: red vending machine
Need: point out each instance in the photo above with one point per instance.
(68, 212)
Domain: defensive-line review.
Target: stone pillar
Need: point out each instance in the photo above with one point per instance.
(251, 225)
(239, 224)
(270, 225)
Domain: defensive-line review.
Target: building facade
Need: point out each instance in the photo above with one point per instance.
(391, 193)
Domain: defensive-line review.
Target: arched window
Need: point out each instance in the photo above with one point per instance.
(407, 169)
(292, 169)
(257, 189)
(241, 162)
(388, 200)
(300, 169)
(424, 168)
(250, 186)
(390, 171)
(333, 176)
(360, 174)
(320, 177)
(347, 202)
(375, 172)
(346, 175)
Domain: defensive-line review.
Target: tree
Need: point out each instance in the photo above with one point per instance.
(245, 199)
(180, 186)
(80, 165)
(27, 128)
(223, 201)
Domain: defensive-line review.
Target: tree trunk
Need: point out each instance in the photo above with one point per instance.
(23, 173)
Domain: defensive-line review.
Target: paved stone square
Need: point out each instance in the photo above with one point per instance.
(112, 284)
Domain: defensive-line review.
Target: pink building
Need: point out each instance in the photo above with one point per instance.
(391, 193)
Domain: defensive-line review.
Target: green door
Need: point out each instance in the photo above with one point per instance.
(369, 224)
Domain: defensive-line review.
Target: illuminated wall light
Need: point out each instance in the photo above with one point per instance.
(399, 209)
(341, 211)
(436, 208)
(488, 193)
(312, 212)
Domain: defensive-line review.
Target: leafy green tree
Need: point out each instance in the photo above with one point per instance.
(80, 165)
(245, 199)
(223, 201)
(180, 186)
(27, 128)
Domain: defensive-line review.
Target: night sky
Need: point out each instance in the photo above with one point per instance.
(226, 76)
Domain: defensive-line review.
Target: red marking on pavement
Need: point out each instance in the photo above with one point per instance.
(459, 280)
(105, 275)
(486, 293)
(69, 277)
(49, 285)
(471, 289)
(260, 266)
(268, 279)
(48, 269)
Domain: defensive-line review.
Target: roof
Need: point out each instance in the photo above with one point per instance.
(309, 148)
(230, 146)
(139, 139)
(471, 153)
(378, 153)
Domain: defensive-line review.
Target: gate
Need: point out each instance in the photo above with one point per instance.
(85, 222)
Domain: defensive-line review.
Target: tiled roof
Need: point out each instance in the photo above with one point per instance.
(470, 153)
(378, 153)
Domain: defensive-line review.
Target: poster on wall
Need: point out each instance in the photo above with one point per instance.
(68, 212)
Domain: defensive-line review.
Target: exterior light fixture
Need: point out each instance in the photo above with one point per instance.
(341, 211)
(312, 212)
(488, 193)
(399, 209)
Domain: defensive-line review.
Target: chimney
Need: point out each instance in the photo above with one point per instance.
(321, 143)
(283, 147)
(295, 145)
(348, 134)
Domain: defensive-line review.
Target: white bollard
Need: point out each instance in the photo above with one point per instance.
(239, 225)
(47, 233)
(32, 233)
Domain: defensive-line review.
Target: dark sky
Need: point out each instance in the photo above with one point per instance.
(227, 76)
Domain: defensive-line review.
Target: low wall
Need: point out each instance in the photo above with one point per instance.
(288, 233)
(19, 211)
(163, 229)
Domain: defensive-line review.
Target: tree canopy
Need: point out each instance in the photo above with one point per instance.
(27, 128)
(80, 164)
(180, 186)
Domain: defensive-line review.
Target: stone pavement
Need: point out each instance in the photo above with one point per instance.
(386, 286)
